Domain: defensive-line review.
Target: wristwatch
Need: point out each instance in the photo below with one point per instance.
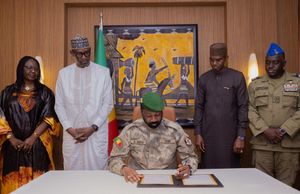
(282, 131)
(95, 127)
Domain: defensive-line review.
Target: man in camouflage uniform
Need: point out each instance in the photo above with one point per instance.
(152, 143)
(275, 119)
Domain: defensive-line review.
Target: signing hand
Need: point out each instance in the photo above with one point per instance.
(199, 142)
(183, 171)
(131, 175)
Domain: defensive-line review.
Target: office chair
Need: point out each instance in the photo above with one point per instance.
(168, 113)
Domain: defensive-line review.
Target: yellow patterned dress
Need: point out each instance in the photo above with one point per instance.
(21, 113)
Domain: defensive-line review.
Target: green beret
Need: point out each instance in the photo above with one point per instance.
(153, 102)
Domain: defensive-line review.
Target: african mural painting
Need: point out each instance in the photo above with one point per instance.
(162, 59)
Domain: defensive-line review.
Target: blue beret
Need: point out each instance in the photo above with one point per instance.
(153, 102)
(274, 49)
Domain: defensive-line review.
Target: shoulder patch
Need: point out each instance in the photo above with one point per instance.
(188, 141)
(118, 142)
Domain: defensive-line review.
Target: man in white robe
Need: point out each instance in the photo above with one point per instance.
(83, 103)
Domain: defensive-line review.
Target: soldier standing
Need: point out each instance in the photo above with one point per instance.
(152, 143)
(275, 118)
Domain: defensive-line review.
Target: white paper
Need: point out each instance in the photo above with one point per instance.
(161, 179)
(199, 179)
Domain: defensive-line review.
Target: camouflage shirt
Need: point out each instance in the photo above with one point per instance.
(141, 147)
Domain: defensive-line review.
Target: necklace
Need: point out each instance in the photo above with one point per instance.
(27, 88)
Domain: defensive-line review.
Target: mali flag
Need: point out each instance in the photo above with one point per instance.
(100, 58)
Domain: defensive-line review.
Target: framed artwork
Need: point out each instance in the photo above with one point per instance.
(158, 58)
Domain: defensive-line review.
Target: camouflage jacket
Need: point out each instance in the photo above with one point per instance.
(141, 147)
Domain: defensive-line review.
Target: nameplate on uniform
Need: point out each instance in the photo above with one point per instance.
(290, 87)
(261, 88)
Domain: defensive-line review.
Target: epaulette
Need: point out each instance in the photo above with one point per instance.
(171, 124)
(132, 125)
(295, 75)
(258, 77)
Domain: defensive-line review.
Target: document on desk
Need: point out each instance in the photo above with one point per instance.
(165, 180)
(161, 179)
(200, 179)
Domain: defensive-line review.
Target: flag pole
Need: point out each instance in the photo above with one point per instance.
(101, 24)
(100, 59)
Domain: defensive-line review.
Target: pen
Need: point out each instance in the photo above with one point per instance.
(184, 163)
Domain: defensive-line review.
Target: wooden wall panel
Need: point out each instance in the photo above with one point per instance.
(210, 20)
(51, 39)
(7, 40)
(253, 25)
(287, 17)
(39, 32)
(249, 30)
(36, 27)
(262, 21)
(238, 28)
(137, 2)
(27, 21)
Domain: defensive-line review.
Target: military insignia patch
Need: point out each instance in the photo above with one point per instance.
(118, 142)
(188, 141)
(290, 87)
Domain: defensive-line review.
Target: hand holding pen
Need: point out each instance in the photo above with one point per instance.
(183, 171)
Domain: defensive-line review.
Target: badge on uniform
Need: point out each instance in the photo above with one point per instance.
(290, 87)
(261, 88)
(188, 141)
(276, 99)
(118, 142)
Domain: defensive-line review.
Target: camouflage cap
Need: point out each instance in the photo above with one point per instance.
(153, 102)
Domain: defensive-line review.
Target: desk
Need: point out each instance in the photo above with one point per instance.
(235, 181)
